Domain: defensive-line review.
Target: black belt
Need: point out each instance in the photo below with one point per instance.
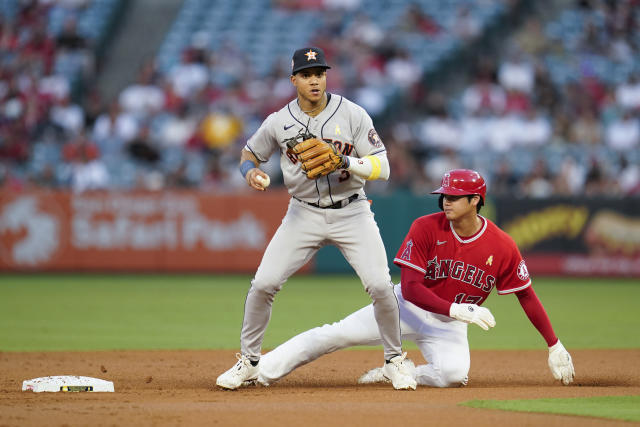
(336, 205)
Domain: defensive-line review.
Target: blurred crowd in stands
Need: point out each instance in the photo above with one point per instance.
(542, 117)
(555, 114)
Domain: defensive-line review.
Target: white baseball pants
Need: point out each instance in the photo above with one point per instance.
(441, 339)
(304, 230)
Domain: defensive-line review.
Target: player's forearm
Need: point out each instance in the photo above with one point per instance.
(249, 168)
(248, 155)
(369, 167)
(537, 314)
(415, 292)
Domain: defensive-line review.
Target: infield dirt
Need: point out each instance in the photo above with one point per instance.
(175, 388)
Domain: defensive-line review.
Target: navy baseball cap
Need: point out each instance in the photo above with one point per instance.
(308, 57)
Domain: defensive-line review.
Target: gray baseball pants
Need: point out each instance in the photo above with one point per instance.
(304, 230)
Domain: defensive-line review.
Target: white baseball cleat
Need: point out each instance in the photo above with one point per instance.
(373, 376)
(262, 381)
(376, 375)
(398, 370)
(242, 373)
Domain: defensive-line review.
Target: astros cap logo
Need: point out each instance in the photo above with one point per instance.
(308, 57)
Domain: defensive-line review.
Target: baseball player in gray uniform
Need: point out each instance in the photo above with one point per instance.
(328, 150)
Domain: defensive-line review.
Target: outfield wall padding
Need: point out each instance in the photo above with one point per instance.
(194, 231)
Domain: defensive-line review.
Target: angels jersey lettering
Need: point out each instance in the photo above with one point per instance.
(463, 269)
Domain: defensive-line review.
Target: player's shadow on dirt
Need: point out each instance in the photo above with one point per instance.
(580, 382)
(606, 382)
(298, 385)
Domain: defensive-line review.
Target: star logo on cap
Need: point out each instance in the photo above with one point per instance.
(311, 55)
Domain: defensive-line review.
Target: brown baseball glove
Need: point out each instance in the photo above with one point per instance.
(319, 158)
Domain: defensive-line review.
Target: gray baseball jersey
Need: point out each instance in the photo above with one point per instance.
(345, 124)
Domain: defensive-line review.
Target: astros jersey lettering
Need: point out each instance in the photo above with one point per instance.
(463, 270)
(343, 123)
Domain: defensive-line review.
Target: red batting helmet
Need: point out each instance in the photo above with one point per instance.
(462, 182)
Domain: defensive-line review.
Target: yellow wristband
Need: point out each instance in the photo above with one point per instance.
(375, 167)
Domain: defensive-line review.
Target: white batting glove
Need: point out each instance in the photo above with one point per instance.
(472, 313)
(561, 364)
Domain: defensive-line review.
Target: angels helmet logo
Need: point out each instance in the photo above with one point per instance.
(311, 55)
(446, 180)
(523, 273)
(374, 139)
(30, 235)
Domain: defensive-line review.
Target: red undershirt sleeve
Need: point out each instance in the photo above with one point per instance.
(414, 291)
(536, 314)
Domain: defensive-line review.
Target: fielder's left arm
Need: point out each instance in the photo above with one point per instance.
(372, 167)
(320, 158)
(560, 362)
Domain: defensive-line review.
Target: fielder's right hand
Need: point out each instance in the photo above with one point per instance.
(252, 180)
(472, 313)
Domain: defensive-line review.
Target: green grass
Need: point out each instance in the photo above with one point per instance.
(88, 311)
(625, 408)
(585, 313)
(85, 312)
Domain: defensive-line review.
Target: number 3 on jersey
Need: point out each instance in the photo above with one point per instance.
(346, 149)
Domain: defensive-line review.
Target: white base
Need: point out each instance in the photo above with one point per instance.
(66, 383)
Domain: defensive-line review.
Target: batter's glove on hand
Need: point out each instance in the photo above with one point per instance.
(561, 364)
(319, 158)
(472, 313)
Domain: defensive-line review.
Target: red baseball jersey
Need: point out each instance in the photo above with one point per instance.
(463, 270)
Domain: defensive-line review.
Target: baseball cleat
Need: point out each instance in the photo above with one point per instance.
(398, 370)
(373, 376)
(242, 373)
(376, 375)
(262, 381)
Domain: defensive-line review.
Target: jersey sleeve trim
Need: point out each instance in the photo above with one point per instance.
(378, 152)
(408, 264)
(510, 291)
(252, 152)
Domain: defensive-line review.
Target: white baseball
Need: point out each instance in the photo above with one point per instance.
(263, 181)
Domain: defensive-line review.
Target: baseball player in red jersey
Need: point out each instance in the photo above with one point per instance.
(450, 262)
